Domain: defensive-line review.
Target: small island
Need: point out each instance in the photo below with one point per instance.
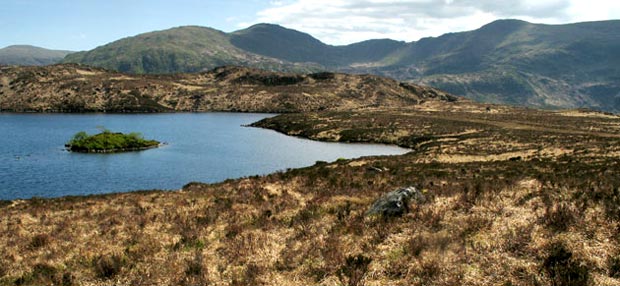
(109, 142)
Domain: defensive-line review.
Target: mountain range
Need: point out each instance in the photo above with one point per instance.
(25, 55)
(506, 61)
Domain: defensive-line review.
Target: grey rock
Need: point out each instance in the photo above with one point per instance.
(396, 203)
(376, 169)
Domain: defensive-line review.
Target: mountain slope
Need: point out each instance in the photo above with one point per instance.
(182, 49)
(516, 62)
(24, 55)
(74, 88)
(279, 42)
(294, 46)
(265, 46)
(506, 61)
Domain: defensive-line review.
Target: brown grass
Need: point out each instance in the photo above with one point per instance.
(543, 219)
(475, 229)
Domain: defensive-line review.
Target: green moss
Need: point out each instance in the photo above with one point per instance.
(108, 142)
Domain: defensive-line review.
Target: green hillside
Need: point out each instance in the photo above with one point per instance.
(521, 63)
(294, 46)
(182, 49)
(23, 55)
(506, 61)
(278, 42)
(169, 51)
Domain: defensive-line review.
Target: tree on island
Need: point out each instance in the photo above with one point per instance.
(109, 142)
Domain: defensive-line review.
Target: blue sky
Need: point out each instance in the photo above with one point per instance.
(86, 24)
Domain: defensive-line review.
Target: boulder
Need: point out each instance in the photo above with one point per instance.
(396, 203)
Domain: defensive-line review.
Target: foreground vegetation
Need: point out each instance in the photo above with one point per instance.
(514, 197)
(109, 142)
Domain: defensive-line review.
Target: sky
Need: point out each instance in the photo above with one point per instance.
(85, 24)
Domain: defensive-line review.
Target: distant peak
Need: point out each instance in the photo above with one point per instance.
(270, 28)
(266, 25)
(192, 27)
(504, 25)
(513, 21)
(22, 47)
(28, 48)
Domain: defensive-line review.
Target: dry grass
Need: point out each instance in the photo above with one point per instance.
(508, 223)
(72, 88)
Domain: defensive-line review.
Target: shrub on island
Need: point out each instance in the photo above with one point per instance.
(109, 142)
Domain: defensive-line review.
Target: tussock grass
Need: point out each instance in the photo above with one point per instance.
(530, 227)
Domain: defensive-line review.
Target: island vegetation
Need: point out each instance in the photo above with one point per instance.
(109, 142)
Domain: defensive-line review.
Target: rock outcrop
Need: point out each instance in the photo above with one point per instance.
(396, 203)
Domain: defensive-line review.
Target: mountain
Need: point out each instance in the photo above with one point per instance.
(181, 49)
(23, 55)
(279, 42)
(264, 46)
(75, 88)
(516, 62)
(506, 61)
(293, 46)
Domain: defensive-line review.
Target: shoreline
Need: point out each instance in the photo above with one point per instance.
(415, 147)
(119, 150)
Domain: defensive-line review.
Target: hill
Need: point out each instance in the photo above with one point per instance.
(264, 46)
(294, 46)
(506, 61)
(177, 50)
(23, 55)
(521, 63)
(74, 88)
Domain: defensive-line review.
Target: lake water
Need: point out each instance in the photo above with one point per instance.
(203, 147)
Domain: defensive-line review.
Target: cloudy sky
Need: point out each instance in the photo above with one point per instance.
(346, 21)
(82, 25)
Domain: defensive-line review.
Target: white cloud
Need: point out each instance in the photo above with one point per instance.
(347, 21)
(594, 10)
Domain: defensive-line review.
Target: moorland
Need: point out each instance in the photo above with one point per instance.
(514, 196)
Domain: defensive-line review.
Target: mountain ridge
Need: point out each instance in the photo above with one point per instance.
(30, 55)
(506, 61)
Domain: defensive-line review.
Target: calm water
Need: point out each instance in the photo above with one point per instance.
(205, 147)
